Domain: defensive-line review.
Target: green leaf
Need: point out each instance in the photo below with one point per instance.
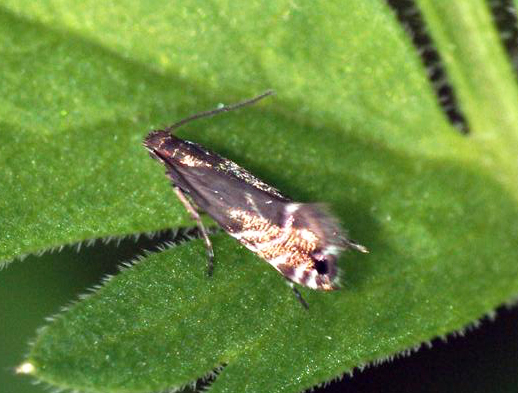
(71, 133)
(355, 124)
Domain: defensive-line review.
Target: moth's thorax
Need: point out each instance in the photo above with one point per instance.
(292, 250)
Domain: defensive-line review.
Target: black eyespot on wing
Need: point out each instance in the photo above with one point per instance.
(321, 266)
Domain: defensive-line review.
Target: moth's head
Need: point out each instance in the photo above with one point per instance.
(156, 140)
(161, 145)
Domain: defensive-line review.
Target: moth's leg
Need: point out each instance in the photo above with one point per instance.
(297, 294)
(196, 217)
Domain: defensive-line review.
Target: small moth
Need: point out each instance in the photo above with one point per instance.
(301, 240)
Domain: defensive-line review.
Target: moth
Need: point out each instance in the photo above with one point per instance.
(301, 240)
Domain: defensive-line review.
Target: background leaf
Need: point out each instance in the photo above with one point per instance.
(355, 124)
(482, 359)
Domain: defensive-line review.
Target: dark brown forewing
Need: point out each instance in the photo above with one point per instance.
(214, 183)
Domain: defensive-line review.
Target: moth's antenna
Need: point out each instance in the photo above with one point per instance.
(224, 108)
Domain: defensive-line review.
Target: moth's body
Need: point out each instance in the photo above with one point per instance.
(302, 241)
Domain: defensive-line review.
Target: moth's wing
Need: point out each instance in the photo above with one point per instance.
(177, 179)
(219, 193)
(215, 184)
